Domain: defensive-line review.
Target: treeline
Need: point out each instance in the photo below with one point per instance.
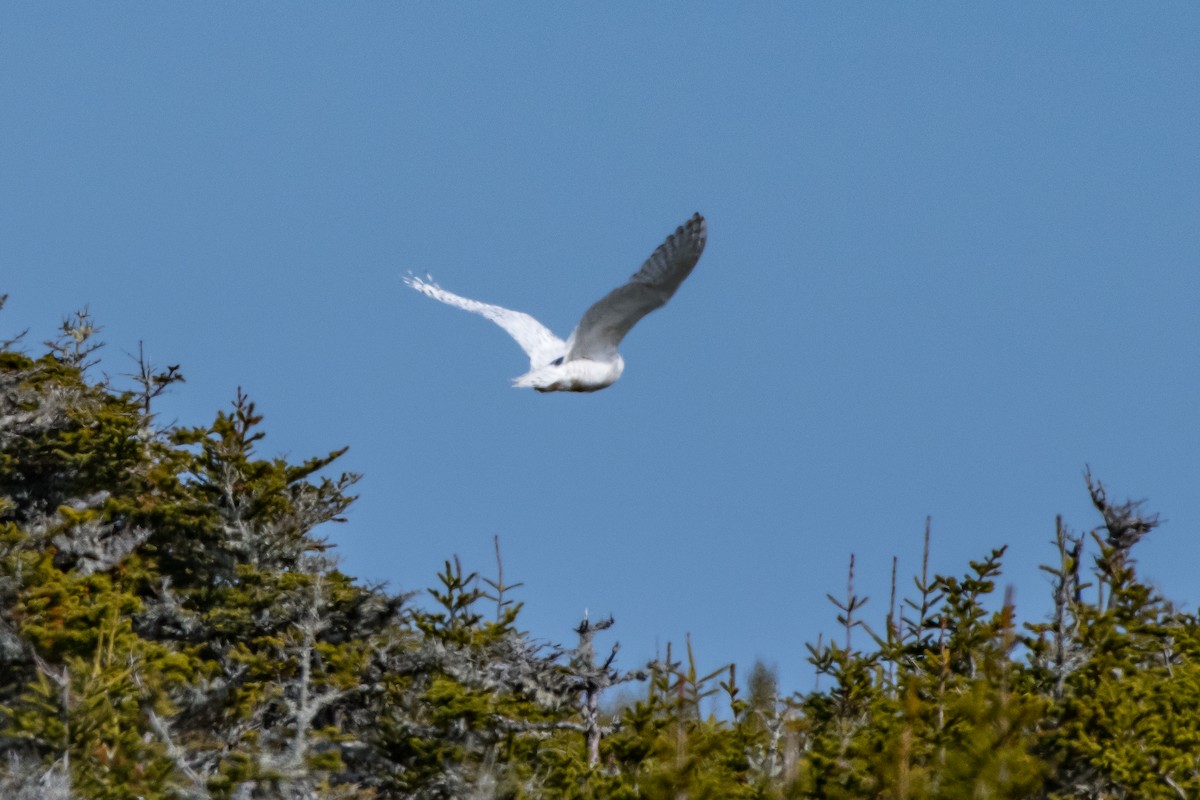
(172, 625)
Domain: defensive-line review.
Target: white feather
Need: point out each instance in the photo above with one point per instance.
(589, 360)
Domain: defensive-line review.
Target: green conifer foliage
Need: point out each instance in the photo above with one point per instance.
(173, 625)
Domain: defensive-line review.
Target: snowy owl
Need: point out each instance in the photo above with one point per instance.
(588, 360)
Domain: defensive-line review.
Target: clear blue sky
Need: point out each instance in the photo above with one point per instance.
(954, 256)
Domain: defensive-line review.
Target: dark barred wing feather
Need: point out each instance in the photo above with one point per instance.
(605, 324)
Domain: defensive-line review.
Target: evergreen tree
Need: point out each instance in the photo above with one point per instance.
(173, 625)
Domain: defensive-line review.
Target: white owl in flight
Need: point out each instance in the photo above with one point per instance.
(588, 360)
